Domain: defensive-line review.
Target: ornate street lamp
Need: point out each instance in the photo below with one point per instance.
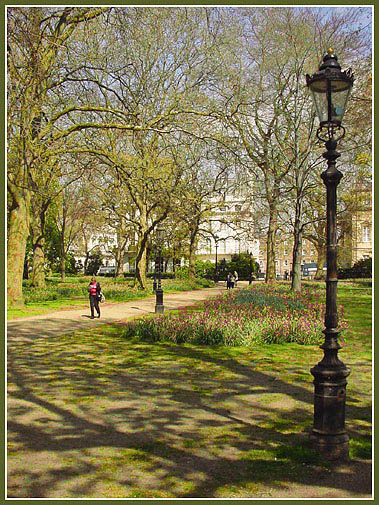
(330, 88)
(159, 307)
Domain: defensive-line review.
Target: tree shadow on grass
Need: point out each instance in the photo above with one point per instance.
(31, 330)
(200, 430)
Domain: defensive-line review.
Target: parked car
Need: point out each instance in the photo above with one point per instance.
(106, 270)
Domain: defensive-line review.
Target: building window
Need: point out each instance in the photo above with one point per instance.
(276, 263)
(304, 252)
(285, 252)
(366, 234)
(285, 263)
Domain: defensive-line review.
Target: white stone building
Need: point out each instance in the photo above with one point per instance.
(229, 230)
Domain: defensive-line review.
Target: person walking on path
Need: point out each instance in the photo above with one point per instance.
(94, 290)
(229, 281)
(235, 275)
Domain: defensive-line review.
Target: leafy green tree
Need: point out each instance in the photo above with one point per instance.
(36, 42)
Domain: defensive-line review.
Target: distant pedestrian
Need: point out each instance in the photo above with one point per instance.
(235, 275)
(229, 281)
(94, 290)
(252, 278)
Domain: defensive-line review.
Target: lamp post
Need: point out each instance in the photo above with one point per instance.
(159, 307)
(155, 277)
(216, 267)
(330, 88)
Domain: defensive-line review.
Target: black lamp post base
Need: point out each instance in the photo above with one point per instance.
(159, 307)
(329, 435)
(332, 447)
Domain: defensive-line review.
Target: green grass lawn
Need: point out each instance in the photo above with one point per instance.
(101, 416)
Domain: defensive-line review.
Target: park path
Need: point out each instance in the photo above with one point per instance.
(69, 321)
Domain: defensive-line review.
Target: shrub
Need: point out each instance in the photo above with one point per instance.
(182, 272)
(242, 263)
(204, 269)
(362, 269)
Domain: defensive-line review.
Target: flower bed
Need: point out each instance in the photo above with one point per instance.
(263, 314)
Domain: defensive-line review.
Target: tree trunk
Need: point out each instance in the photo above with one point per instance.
(140, 275)
(192, 256)
(141, 268)
(118, 257)
(296, 259)
(38, 269)
(18, 233)
(38, 237)
(63, 247)
(85, 264)
(63, 263)
(271, 239)
(297, 249)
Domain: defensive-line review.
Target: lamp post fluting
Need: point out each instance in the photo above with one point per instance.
(159, 307)
(330, 88)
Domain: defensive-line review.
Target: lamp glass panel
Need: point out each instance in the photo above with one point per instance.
(320, 100)
(339, 101)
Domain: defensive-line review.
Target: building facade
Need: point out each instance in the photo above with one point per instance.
(229, 231)
(361, 229)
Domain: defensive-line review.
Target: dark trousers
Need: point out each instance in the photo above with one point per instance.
(94, 303)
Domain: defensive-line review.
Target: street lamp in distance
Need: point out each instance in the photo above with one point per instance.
(330, 88)
(159, 307)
